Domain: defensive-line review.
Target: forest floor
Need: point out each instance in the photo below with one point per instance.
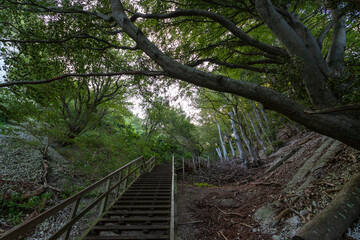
(227, 202)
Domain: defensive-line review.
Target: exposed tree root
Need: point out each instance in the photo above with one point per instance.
(333, 221)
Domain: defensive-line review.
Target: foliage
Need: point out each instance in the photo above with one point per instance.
(14, 208)
(204, 185)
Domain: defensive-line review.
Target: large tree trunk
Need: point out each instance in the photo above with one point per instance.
(336, 53)
(339, 126)
(333, 221)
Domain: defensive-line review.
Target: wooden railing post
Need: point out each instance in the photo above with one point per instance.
(118, 188)
(143, 167)
(72, 215)
(127, 177)
(105, 200)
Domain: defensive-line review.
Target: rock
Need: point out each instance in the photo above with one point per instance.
(227, 203)
(276, 237)
(304, 212)
(265, 214)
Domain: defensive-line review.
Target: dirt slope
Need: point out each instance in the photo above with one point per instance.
(262, 204)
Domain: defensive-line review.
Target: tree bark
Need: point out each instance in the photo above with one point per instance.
(221, 141)
(333, 221)
(219, 153)
(242, 154)
(257, 134)
(336, 53)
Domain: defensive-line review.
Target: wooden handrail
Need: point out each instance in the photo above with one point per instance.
(25, 227)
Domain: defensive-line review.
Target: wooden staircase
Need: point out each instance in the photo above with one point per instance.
(142, 212)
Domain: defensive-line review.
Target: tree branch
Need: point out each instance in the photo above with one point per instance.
(54, 9)
(221, 20)
(342, 108)
(232, 65)
(81, 75)
(78, 36)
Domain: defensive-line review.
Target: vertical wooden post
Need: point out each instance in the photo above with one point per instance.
(143, 167)
(199, 163)
(183, 168)
(72, 215)
(105, 200)
(127, 177)
(118, 188)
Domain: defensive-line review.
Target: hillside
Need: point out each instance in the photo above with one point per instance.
(223, 202)
(231, 203)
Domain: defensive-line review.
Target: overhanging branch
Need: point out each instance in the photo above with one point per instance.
(221, 20)
(342, 108)
(82, 75)
(232, 65)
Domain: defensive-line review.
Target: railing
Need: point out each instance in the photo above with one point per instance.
(121, 178)
(173, 202)
(196, 164)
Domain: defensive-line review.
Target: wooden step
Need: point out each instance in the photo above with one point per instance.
(133, 207)
(147, 220)
(131, 228)
(149, 237)
(149, 213)
(136, 202)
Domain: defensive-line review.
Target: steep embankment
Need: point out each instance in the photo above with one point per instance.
(33, 176)
(272, 202)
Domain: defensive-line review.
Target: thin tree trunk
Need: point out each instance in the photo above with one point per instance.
(262, 111)
(257, 116)
(257, 135)
(250, 147)
(219, 153)
(232, 149)
(221, 140)
(242, 155)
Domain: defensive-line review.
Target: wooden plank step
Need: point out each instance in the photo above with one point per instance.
(149, 237)
(145, 198)
(130, 228)
(138, 213)
(135, 220)
(141, 186)
(140, 207)
(136, 202)
(145, 194)
(148, 190)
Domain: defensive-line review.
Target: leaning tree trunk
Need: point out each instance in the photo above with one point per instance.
(333, 221)
(242, 156)
(219, 153)
(254, 156)
(261, 125)
(221, 140)
(257, 134)
(268, 125)
(232, 149)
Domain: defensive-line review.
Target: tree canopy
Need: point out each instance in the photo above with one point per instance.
(298, 58)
